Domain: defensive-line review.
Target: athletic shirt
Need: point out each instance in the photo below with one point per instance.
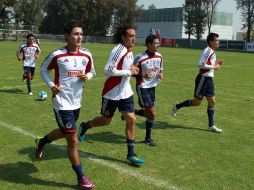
(207, 58)
(117, 85)
(67, 67)
(29, 52)
(148, 62)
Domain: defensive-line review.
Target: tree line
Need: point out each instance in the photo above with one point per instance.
(99, 17)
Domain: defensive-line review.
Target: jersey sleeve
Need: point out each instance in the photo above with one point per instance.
(204, 62)
(90, 71)
(20, 50)
(48, 64)
(114, 58)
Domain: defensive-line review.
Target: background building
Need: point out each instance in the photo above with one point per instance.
(168, 17)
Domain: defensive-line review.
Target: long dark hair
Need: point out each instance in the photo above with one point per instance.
(120, 31)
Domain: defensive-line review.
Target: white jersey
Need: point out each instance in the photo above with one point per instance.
(29, 52)
(67, 66)
(207, 59)
(148, 62)
(117, 85)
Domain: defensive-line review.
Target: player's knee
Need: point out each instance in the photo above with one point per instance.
(131, 120)
(106, 120)
(196, 102)
(72, 140)
(151, 114)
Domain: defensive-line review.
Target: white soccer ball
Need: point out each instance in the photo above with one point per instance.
(42, 95)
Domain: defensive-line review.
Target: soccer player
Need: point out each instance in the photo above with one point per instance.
(73, 66)
(117, 92)
(204, 85)
(29, 52)
(150, 64)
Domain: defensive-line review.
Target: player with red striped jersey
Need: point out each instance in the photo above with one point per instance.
(204, 85)
(28, 52)
(117, 92)
(73, 66)
(150, 63)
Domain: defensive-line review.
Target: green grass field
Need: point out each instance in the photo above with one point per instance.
(187, 156)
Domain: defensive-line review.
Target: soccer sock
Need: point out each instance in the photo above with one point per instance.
(28, 83)
(210, 113)
(43, 141)
(140, 112)
(78, 170)
(130, 146)
(149, 126)
(186, 103)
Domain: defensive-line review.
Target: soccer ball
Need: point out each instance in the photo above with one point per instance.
(42, 95)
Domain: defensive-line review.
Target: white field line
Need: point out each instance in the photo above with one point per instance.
(146, 179)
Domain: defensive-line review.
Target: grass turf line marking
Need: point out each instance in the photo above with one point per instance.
(147, 179)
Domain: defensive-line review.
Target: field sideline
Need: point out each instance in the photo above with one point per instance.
(187, 157)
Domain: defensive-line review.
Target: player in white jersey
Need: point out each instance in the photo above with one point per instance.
(73, 66)
(150, 64)
(29, 52)
(204, 85)
(117, 92)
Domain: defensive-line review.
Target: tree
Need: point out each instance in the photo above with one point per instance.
(189, 18)
(6, 10)
(247, 9)
(210, 9)
(151, 7)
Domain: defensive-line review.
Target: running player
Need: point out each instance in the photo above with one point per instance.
(117, 92)
(29, 52)
(150, 64)
(204, 85)
(73, 67)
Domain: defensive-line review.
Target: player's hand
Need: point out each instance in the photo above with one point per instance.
(134, 70)
(217, 66)
(220, 62)
(148, 75)
(19, 58)
(83, 77)
(36, 56)
(56, 89)
(160, 76)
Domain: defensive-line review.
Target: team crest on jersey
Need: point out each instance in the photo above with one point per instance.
(68, 125)
(66, 60)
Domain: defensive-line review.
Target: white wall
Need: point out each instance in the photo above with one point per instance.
(167, 29)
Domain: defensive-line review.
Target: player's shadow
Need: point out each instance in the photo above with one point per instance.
(20, 173)
(106, 137)
(166, 125)
(12, 91)
(52, 152)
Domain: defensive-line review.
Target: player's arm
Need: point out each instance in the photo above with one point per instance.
(160, 74)
(37, 53)
(20, 53)
(46, 66)
(111, 68)
(89, 72)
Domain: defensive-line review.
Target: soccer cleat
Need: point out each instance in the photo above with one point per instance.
(214, 129)
(174, 110)
(150, 142)
(30, 93)
(81, 131)
(85, 183)
(135, 160)
(38, 152)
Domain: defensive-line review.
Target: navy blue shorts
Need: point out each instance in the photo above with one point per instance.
(66, 120)
(29, 70)
(146, 97)
(203, 87)
(108, 107)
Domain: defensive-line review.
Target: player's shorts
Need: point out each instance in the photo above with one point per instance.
(29, 70)
(66, 120)
(108, 107)
(146, 97)
(203, 87)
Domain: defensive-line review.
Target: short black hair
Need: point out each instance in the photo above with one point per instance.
(29, 35)
(211, 37)
(120, 31)
(150, 39)
(70, 25)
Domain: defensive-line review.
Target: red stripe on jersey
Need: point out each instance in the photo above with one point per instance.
(113, 81)
(203, 71)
